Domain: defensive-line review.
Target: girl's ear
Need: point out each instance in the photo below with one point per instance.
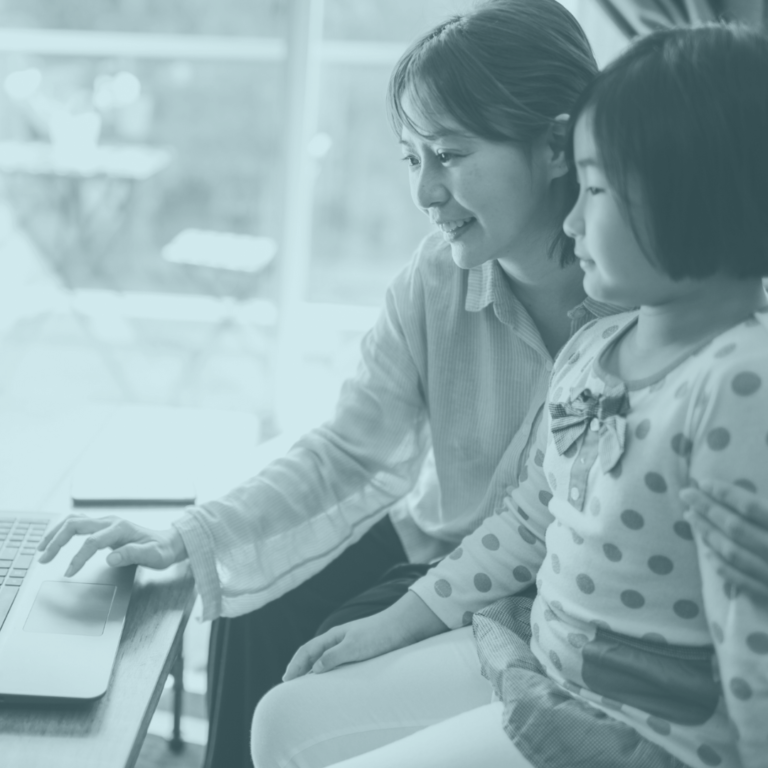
(557, 137)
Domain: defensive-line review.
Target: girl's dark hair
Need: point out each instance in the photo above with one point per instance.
(503, 71)
(683, 116)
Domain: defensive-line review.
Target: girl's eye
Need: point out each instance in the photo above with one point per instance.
(444, 157)
(593, 190)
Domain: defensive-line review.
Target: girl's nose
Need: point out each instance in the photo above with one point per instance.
(573, 226)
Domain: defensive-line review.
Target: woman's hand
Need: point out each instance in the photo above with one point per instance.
(132, 544)
(407, 621)
(733, 522)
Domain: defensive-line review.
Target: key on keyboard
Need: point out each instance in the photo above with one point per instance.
(19, 537)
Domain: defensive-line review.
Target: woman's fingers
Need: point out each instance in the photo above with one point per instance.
(305, 658)
(755, 588)
(740, 566)
(344, 652)
(71, 526)
(51, 532)
(729, 501)
(116, 534)
(738, 514)
(149, 554)
(746, 503)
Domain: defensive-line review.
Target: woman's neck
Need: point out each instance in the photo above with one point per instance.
(547, 291)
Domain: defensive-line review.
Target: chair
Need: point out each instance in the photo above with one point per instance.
(214, 257)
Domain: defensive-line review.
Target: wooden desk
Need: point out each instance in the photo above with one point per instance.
(110, 731)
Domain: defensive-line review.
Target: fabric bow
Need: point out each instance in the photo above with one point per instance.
(571, 419)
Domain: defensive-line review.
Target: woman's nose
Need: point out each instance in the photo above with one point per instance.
(429, 189)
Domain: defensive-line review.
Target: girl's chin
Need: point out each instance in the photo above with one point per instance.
(607, 294)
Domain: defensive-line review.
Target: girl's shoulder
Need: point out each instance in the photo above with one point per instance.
(589, 339)
(741, 349)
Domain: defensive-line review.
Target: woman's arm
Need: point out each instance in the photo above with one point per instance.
(733, 524)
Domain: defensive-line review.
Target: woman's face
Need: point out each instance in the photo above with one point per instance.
(489, 199)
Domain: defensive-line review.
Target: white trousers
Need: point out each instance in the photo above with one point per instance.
(425, 706)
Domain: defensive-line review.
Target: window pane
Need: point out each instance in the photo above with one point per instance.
(400, 20)
(365, 225)
(264, 18)
(219, 122)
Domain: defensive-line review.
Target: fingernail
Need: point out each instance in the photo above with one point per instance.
(69, 571)
(115, 559)
(691, 517)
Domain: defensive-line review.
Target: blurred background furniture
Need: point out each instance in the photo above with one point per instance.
(226, 265)
(73, 202)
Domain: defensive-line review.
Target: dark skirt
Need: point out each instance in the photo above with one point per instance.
(551, 727)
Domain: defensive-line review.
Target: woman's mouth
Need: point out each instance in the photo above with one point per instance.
(453, 230)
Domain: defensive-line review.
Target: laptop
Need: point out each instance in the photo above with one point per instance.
(58, 636)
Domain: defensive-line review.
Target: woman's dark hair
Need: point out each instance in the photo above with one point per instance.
(503, 71)
(683, 116)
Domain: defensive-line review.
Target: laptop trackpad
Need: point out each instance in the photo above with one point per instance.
(70, 608)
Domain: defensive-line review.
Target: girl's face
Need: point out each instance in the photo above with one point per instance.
(615, 268)
(489, 199)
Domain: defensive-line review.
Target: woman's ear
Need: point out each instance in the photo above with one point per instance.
(557, 136)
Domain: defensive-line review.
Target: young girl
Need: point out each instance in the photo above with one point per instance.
(641, 653)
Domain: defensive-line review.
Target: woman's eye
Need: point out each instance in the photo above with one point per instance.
(444, 157)
(412, 160)
(593, 191)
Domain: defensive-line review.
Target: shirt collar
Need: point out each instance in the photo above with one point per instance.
(487, 284)
(594, 308)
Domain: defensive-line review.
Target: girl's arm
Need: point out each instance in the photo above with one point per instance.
(504, 554)
(500, 558)
(730, 444)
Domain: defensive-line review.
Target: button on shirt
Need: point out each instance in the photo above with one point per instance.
(454, 364)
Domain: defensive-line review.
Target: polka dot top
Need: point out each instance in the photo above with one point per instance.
(631, 614)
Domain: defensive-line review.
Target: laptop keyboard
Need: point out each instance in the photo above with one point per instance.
(19, 537)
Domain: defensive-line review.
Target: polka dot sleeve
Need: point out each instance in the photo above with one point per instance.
(499, 558)
(729, 442)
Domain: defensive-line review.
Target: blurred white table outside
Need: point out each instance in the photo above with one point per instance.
(135, 162)
(80, 207)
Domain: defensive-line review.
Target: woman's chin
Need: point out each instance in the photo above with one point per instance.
(466, 258)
